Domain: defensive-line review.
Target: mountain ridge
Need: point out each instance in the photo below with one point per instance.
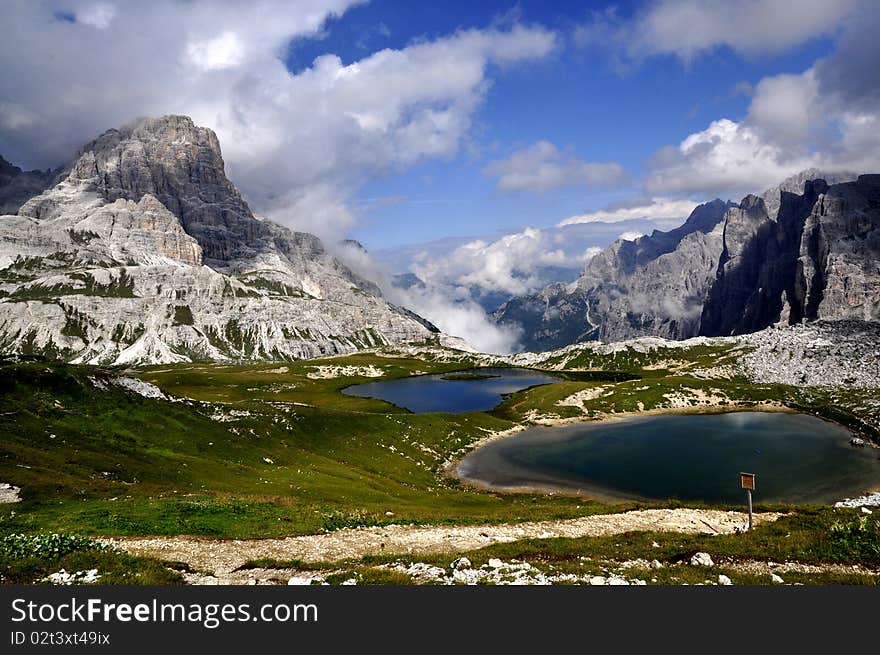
(143, 251)
(761, 262)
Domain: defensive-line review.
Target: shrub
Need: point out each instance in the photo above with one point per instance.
(859, 539)
(46, 546)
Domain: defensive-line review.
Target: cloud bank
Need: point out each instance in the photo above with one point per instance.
(687, 28)
(542, 167)
(826, 117)
(640, 208)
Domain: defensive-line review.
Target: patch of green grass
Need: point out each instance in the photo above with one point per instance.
(821, 536)
(114, 568)
(29, 559)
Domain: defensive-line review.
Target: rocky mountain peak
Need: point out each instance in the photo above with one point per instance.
(178, 163)
(806, 249)
(144, 251)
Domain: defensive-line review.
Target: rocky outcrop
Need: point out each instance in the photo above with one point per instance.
(805, 250)
(17, 186)
(816, 256)
(145, 252)
(654, 285)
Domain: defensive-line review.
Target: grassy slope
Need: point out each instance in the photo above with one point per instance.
(112, 462)
(264, 450)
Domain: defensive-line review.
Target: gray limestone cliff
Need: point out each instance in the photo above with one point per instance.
(808, 249)
(143, 251)
(17, 186)
(814, 255)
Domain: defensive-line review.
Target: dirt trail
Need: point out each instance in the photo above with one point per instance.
(224, 555)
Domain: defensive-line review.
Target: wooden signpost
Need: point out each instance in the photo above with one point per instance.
(748, 483)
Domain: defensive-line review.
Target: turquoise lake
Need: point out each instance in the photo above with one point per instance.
(797, 458)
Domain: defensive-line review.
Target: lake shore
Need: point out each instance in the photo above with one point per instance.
(449, 468)
(584, 489)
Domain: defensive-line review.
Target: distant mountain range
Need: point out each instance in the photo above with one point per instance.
(807, 249)
(140, 250)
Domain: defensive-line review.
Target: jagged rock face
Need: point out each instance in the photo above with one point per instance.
(839, 257)
(655, 285)
(16, 186)
(756, 268)
(144, 252)
(804, 250)
(818, 257)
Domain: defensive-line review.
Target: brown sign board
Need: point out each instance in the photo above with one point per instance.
(748, 480)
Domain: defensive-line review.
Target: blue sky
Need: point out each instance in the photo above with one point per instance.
(576, 98)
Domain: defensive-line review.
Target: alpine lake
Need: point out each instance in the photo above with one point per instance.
(797, 458)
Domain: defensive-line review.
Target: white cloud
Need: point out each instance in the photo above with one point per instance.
(542, 166)
(99, 16)
(727, 158)
(785, 106)
(790, 126)
(511, 264)
(630, 236)
(458, 314)
(223, 51)
(823, 117)
(297, 145)
(686, 28)
(649, 208)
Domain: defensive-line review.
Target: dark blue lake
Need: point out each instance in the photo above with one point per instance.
(474, 390)
(797, 458)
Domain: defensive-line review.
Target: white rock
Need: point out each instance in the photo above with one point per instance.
(775, 579)
(872, 499)
(299, 581)
(597, 580)
(461, 563)
(701, 559)
(495, 563)
(724, 580)
(468, 576)
(9, 493)
(62, 577)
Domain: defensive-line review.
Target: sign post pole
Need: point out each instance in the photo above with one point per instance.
(748, 483)
(749, 494)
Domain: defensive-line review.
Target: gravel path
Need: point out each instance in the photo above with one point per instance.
(222, 556)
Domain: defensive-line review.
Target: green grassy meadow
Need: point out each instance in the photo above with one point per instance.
(274, 449)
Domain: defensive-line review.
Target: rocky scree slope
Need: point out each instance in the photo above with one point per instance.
(144, 252)
(804, 250)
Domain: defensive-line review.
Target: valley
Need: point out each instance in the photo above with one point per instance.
(274, 450)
